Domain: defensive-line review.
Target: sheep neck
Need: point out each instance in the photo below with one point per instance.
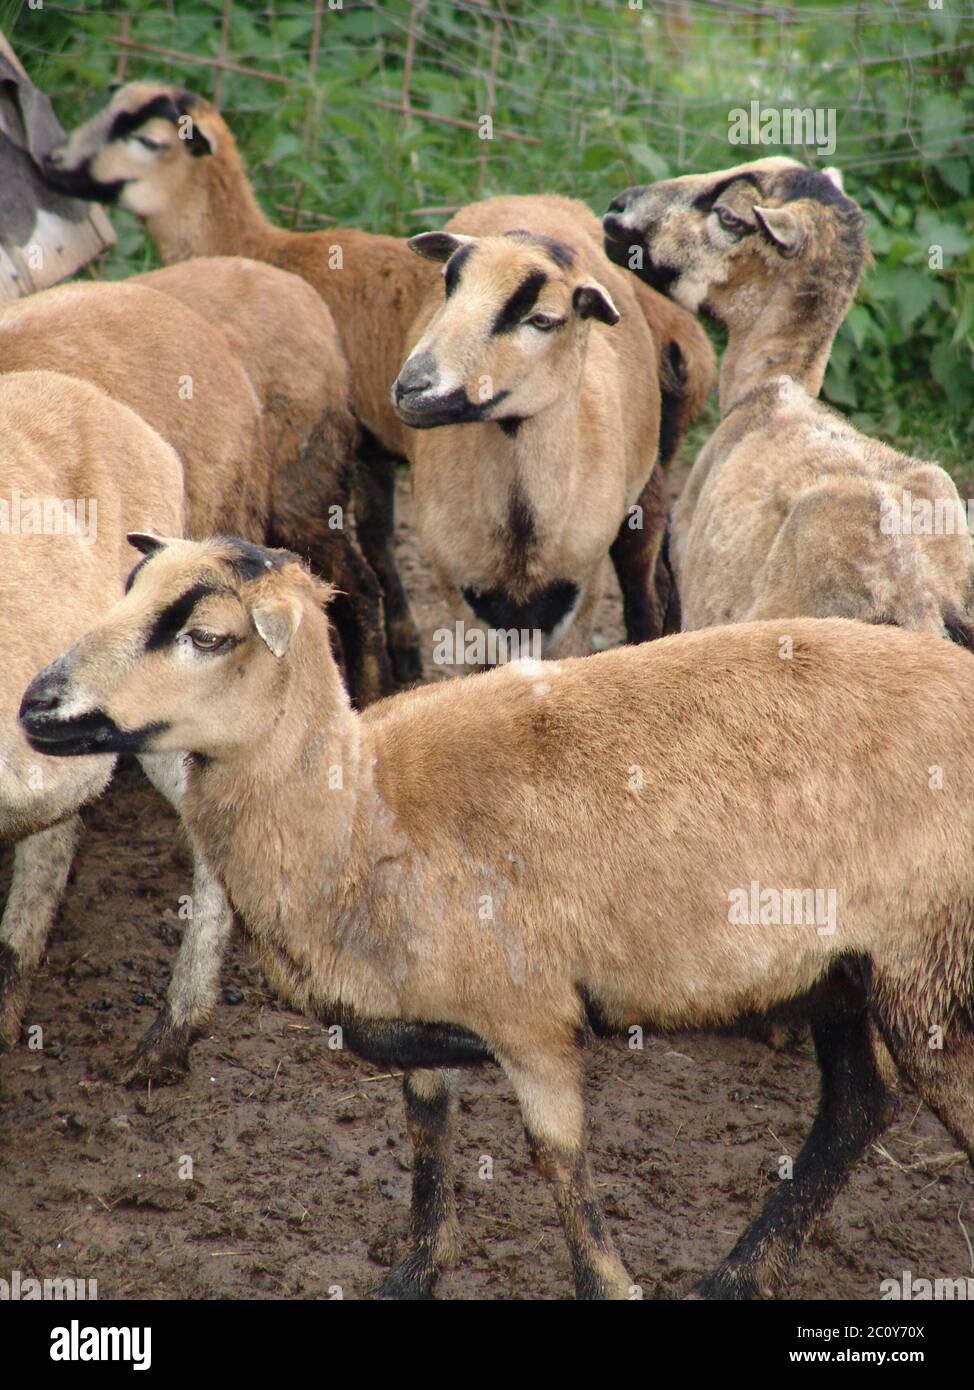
(766, 345)
(216, 214)
(551, 434)
(283, 821)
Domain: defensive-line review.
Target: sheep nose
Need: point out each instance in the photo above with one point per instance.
(42, 696)
(418, 375)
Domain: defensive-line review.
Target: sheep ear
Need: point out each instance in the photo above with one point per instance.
(438, 246)
(834, 176)
(276, 621)
(782, 228)
(591, 301)
(146, 542)
(197, 139)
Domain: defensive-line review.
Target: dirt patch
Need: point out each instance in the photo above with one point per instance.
(281, 1168)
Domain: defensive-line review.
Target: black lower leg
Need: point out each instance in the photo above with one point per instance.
(854, 1108)
(375, 511)
(635, 555)
(597, 1268)
(434, 1242)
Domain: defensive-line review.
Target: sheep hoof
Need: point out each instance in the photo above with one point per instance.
(724, 1286)
(13, 1000)
(412, 1279)
(162, 1056)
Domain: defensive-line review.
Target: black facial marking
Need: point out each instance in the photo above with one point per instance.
(704, 202)
(168, 109)
(451, 275)
(95, 732)
(127, 122)
(78, 183)
(658, 277)
(175, 615)
(560, 253)
(518, 303)
(619, 244)
(544, 611)
(455, 408)
(511, 424)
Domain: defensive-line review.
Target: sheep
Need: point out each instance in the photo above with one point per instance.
(77, 470)
(536, 426)
(165, 361)
(158, 356)
(471, 871)
(285, 338)
(195, 199)
(151, 353)
(169, 157)
(789, 510)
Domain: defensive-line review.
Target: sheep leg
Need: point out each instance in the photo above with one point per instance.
(162, 1055)
(434, 1232)
(942, 1076)
(308, 498)
(854, 1109)
(636, 553)
(552, 1105)
(41, 866)
(375, 499)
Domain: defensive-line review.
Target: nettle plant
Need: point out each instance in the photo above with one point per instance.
(914, 315)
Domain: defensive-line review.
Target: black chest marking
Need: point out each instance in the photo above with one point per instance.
(544, 610)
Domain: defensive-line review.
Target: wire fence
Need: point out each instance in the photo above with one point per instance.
(390, 114)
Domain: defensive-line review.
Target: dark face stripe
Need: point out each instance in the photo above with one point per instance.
(128, 121)
(176, 614)
(705, 201)
(453, 268)
(520, 302)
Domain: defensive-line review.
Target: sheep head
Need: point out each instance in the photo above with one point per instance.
(139, 151)
(196, 656)
(508, 338)
(723, 244)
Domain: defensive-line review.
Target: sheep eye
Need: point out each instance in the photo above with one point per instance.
(205, 641)
(543, 322)
(729, 220)
(150, 144)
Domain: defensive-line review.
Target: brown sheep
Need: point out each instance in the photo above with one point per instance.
(446, 906)
(165, 362)
(285, 338)
(789, 509)
(531, 384)
(195, 198)
(76, 471)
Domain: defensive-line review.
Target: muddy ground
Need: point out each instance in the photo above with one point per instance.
(300, 1167)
